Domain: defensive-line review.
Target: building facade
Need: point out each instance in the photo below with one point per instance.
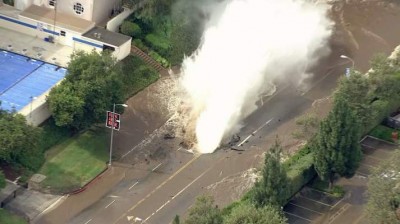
(97, 11)
(73, 23)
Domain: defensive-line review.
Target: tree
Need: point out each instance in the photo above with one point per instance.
(204, 212)
(2, 180)
(356, 90)
(151, 8)
(245, 213)
(19, 141)
(176, 220)
(384, 192)
(187, 27)
(336, 148)
(91, 86)
(272, 189)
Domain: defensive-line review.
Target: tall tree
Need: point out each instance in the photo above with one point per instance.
(336, 148)
(384, 192)
(246, 213)
(272, 189)
(356, 90)
(204, 212)
(92, 85)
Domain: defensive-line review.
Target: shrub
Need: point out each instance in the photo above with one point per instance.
(158, 43)
(139, 43)
(300, 173)
(158, 58)
(337, 191)
(131, 29)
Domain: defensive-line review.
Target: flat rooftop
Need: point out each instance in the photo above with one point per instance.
(22, 79)
(47, 15)
(107, 37)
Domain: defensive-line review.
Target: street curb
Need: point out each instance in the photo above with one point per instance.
(378, 139)
(84, 187)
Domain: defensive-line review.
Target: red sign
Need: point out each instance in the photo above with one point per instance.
(109, 121)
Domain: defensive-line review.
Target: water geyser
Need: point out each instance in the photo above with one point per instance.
(245, 46)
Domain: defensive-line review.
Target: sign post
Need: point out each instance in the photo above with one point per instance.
(113, 120)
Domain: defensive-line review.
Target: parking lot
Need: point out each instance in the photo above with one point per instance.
(313, 206)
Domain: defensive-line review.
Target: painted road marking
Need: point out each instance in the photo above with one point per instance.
(316, 201)
(110, 204)
(133, 185)
(297, 216)
(114, 196)
(305, 208)
(157, 188)
(254, 132)
(180, 192)
(156, 167)
(88, 221)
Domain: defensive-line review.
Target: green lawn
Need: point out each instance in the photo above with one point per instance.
(8, 218)
(382, 132)
(76, 161)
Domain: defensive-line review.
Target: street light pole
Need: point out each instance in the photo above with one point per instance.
(347, 57)
(112, 135)
(112, 130)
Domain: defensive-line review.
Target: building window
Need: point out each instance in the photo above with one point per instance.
(78, 8)
(52, 3)
(62, 33)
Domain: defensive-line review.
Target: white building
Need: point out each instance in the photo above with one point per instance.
(73, 23)
(97, 11)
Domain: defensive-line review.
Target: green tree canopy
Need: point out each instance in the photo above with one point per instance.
(19, 141)
(336, 148)
(246, 213)
(356, 89)
(384, 192)
(273, 187)
(92, 85)
(204, 212)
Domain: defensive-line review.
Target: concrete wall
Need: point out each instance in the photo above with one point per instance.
(37, 111)
(123, 51)
(114, 24)
(102, 10)
(22, 4)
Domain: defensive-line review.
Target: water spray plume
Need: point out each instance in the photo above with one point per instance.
(245, 46)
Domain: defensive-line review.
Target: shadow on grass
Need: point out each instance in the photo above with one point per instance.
(75, 162)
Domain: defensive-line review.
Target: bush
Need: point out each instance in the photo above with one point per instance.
(300, 173)
(131, 29)
(139, 43)
(337, 191)
(137, 75)
(158, 58)
(158, 43)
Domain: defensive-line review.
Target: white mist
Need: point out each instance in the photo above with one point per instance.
(245, 46)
